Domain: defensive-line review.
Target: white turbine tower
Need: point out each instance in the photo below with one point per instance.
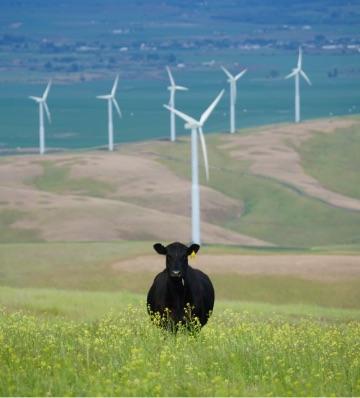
(172, 88)
(232, 81)
(43, 105)
(297, 72)
(196, 127)
(111, 101)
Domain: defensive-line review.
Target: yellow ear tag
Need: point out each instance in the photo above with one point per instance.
(193, 255)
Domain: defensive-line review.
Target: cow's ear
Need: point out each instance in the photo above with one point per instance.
(159, 248)
(194, 248)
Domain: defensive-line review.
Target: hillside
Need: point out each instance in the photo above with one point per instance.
(262, 191)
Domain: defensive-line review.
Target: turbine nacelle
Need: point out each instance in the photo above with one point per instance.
(106, 97)
(189, 126)
(37, 99)
(179, 88)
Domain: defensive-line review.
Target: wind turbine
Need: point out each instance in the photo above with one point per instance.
(232, 80)
(297, 72)
(111, 101)
(172, 88)
(43, 105)
(196, 126)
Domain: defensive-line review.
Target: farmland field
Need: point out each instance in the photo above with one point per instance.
(70, 325)
(281, 247)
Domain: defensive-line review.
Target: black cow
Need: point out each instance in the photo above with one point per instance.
(180, 294)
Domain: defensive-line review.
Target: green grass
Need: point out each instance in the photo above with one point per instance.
(66, 265)
(10, 233)
(92, 305)
(88, 266)
(56, 178)
(124, 354)
(272, 211)
(72, 326)
(333, 159)
(288, 289)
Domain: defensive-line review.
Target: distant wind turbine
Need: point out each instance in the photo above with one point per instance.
(196, 126)
(232, 80)
(297, 72)
(43, 105)
(172, 88)
(111, 101)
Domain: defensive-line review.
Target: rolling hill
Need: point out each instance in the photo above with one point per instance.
(264, 190)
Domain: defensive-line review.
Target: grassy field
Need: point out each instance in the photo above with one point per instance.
(88, 267)
(122, 353)
(333, 160)
(70, 324)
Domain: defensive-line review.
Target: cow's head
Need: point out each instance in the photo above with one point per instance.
(176, 257)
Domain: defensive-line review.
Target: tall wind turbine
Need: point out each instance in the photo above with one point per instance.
(43, 105)
(196, 127)
(172, 88)
(232, 80)
(111, 101)
(297, 72)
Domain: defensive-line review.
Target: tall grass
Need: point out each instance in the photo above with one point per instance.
(125, 354)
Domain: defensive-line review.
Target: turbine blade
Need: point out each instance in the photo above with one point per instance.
(172, 81)
(228, 74)
(293, 73)
(182, 115)
(299, 58)
(181, 88)
(117, 107)
(242, 73)
(208, 111)
(37, 99)
(304, 75)
(46, 92)
(113, 90)
(204, 151)
(107, 97)
(47, 111)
